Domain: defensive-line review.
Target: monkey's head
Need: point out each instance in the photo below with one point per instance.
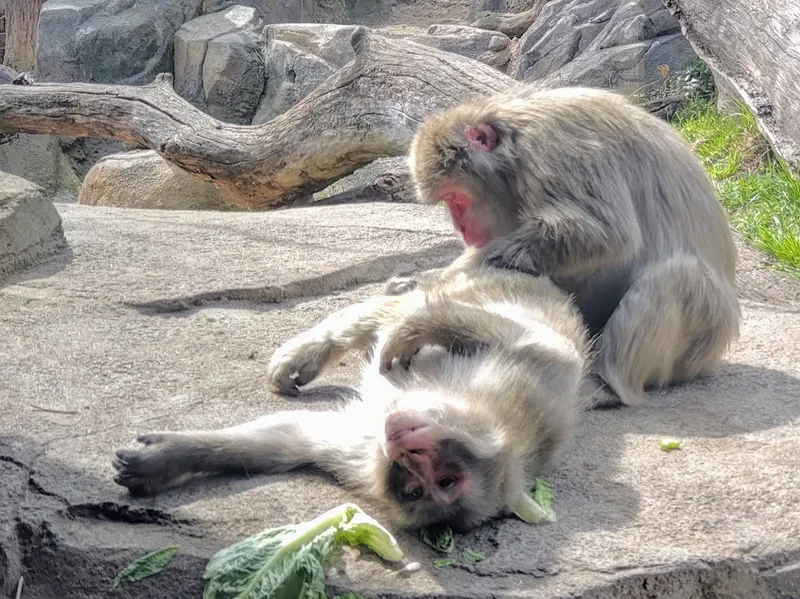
(465, 159)
(445, 465)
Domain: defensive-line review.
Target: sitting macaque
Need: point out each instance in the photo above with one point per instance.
(470, 388)
(606, 200)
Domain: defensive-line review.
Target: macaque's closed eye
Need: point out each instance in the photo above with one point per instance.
(481, 136)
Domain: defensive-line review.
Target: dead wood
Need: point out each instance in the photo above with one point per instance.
(368, 109)
(754, 47)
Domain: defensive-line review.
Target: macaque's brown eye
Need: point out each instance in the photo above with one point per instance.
(447, 482)
(414, 494)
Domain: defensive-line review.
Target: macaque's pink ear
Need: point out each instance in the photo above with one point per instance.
(482, 137)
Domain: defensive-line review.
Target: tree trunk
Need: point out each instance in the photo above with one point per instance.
(754, 46)
(368, 109)
(2, 30)
(22, 21)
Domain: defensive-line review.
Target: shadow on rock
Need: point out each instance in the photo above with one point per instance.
(41, 268)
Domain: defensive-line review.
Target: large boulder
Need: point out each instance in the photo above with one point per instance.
(300, 56)
(109, 41)
(39, 159)
(218, 67)
(297, 58)
(374, 13)
(142, 179)
(490, 47)
(30, 226)
(604, 43)
(753, 49)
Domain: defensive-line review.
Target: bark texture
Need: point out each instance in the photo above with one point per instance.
(22, 20)
(755, 46)
(368, 109)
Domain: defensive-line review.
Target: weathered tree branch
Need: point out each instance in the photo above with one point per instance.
(753, 46)
(368, 109)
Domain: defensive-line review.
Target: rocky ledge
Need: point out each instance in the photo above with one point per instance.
(163, 319)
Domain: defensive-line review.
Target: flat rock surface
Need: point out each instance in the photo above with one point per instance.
(156, 320)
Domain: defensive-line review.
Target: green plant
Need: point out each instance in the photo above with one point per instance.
(761, 196)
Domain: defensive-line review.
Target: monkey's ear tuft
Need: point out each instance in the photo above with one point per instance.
(481, 136)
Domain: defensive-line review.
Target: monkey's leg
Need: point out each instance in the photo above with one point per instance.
(300, 360)
(674, 323)
(273, 444)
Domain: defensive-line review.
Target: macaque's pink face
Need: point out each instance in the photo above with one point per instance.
(465, 210)
(413, 444)
(465, 218)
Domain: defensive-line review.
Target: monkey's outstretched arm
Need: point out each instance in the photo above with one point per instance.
(272, 444)
(300, 360)
(566, 241)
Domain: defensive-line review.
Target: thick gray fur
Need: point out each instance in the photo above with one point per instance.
(610, 203)
(496, 364)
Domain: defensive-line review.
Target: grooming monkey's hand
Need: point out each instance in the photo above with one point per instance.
(294, 365)
(513, 254)
(400, 285)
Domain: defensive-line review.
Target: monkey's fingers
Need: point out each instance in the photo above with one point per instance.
(400, 285)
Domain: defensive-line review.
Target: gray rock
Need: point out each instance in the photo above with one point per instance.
(506, 6)
(109, 41)
(39, 159)
(30, 226)
(489, 47)
(298, 57)
(218, 67)
(7, 74)
(330, 42)
(384, 179)
(83, 152)
(142, 179)
(604, 43)
(373, 13)
(288, 11)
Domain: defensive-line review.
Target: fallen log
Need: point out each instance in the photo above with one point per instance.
(368, 109)
(753, 46)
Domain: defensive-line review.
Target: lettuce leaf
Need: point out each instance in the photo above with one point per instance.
(287, 562)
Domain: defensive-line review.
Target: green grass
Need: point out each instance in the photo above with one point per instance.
(762, 198)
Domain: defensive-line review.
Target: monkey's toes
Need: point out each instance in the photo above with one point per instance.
(287, 377)
(140, 470)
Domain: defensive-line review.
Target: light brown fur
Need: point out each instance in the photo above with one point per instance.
(496, 363)
(611, 204)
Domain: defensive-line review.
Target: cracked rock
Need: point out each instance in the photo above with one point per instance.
(603, 43)
(109, 41)
(30, 226)
(218, 67)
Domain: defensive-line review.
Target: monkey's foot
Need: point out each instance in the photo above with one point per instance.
(160, 461)
(400, 285)
(599, 396)
(295, 367)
